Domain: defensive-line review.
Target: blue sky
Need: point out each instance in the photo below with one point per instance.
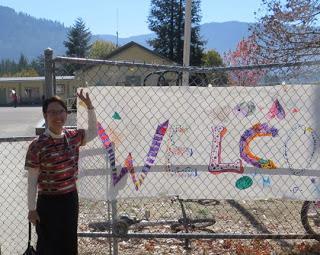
(100, 16)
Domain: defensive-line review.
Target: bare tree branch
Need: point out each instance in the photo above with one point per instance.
(288, 31)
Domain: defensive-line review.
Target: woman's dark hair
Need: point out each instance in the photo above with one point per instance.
(52, 100)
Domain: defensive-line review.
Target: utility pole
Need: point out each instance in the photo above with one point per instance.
(117, 44)
(186, 43)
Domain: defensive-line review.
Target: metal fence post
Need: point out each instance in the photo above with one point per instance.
(186, 42)
(114, 209)
(114, 218)
(48, 65)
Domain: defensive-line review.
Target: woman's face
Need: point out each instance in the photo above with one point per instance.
(55, 117)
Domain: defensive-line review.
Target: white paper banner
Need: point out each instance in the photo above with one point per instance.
(221, 143)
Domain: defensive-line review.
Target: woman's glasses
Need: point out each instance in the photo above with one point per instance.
(56, 112)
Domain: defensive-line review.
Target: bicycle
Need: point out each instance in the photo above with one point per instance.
(187, 223)
(310, 217)
(174, 78)
(122, 225)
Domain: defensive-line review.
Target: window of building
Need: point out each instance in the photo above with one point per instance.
(60, 89)
(31, 92)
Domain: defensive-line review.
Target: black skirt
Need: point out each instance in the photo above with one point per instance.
(57, 230)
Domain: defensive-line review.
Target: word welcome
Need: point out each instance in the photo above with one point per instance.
(216, 165)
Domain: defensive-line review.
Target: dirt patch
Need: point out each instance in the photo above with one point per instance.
(232, 217)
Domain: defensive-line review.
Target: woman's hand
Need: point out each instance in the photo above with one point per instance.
(86, 99)
(33, 217)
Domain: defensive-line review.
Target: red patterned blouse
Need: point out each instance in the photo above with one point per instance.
(56, 159)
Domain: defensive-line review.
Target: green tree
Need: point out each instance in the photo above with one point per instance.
(212, 58)
(7, 67)
(166, 20)
(28, 72)
(38, 65)
(78, 40)
(23, 62)
(101, 49)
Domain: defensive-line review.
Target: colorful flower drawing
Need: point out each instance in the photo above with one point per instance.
(276, 111)
(244, 109)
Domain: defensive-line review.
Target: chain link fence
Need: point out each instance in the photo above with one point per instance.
(153, 214)
(13, 210)
(179, 188)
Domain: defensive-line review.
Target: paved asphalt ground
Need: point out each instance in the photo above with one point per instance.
(14, 122)
(20, 121)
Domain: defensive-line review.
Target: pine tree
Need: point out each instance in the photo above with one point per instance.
(166, 19)
(78, 43)
(23, 62)
(38, 65)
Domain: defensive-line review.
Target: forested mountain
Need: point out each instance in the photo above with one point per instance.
(22, 34)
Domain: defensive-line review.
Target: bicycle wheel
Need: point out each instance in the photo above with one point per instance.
(192, 224)
(310, 217)
(202, 223)
(205, 202)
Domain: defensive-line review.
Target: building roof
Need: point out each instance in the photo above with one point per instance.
(131, 44)
(38, 78)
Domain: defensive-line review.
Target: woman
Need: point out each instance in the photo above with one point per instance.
(52, 165)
